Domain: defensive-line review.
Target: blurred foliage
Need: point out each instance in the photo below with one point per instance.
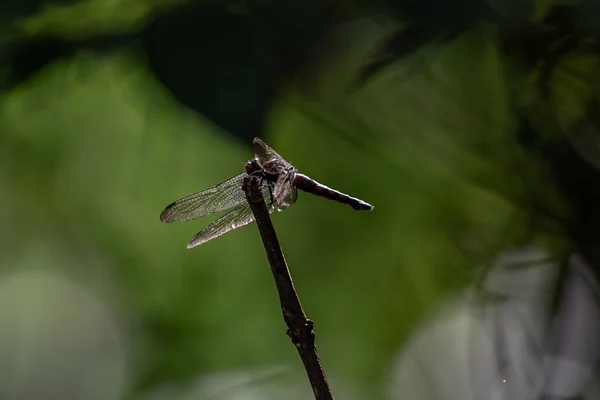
(459, 133)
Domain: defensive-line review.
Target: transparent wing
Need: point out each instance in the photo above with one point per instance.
(285, 192)
(268, 158)
(240, 215)
(224, 196)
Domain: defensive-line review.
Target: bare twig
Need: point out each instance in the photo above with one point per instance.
(300, 328)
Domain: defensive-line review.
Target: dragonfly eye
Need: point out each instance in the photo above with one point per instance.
(252, 166)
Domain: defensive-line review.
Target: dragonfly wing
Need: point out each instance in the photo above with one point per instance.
(285, 192)
(222, 197)
(240, 215)
(268, 158)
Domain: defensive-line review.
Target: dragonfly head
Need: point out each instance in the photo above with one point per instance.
(252, 166)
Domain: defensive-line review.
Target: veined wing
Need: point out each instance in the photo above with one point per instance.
(240, 215)
(285, 192)
(268, 158)
(221, 197)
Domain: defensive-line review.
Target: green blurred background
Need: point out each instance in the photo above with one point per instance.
(105, 121)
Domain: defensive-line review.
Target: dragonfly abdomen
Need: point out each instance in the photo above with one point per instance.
(309, 185)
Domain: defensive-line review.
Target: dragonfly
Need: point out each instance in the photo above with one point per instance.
(280, 182)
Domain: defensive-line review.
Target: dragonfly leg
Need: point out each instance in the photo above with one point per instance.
(252, 168)
(271, 193)
(270, 187)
